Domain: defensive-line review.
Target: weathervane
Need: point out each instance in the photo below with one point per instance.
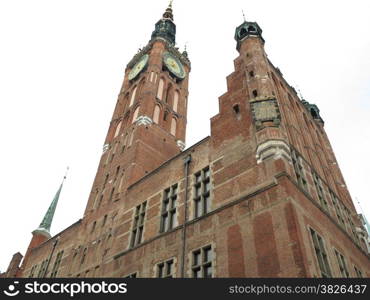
(244, 16)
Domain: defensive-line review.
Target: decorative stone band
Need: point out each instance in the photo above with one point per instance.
(181, 144)
(105, 148)
(143, 120)
(274, 149)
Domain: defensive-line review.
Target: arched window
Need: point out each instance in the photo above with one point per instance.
(133, 95)
(175, 101)
(118, 129)
(169, 93)
(160, 89)
(173, 126)
(151, 76)
(157, 111)
(134, 117)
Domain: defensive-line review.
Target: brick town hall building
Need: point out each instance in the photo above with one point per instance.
(262, 196)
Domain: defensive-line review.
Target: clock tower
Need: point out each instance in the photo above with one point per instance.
(149, 120)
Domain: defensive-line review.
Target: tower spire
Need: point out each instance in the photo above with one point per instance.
(165, 28)
(44, 227)
(168, 14)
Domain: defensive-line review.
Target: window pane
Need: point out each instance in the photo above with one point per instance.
(197, 273)
(208, 271)
(197, 191)
(160, 270)
(169, 267)
(196, 258)
(207, 186)
(206, 172)
(198, 177)
(198, 208)
(207, 254)
(207, 203)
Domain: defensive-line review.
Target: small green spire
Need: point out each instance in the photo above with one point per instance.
(44, 227)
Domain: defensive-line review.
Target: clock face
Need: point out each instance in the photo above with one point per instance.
(139, 66)
(174, 65)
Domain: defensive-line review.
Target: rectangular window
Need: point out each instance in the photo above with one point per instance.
(352, 227)
(298, 168)
(342, 264)
(168, 217)
(33, 271)
(138, 224)
(202, 196)
(55, 269)
(165, 269)
(320, 191)
(337, 208)
(358, 272)
(321, 255)
(202, 262)
(42, 270)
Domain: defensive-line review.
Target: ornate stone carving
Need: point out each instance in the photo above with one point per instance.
(105, 148)
(181, 144)
(274, 149)
(143, 120)
(265, 110)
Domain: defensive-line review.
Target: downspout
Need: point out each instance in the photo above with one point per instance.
(51, 255)
(187, 161)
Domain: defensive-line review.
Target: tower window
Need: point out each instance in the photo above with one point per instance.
(314, 113)
(243, 32)
(236, 110)
(251, 74)
(251, 29)
(165, 116)
(255, 93)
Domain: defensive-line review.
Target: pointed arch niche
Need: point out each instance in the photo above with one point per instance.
(175, 101)
(136, 113)
(133, 96)
(173, 126)
(160, 89)
(156, 113)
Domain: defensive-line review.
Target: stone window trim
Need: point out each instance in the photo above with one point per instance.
(33, 271)
(166, 268)
(202, 192)
(320, 252)
(320, 191)
(169, 208)
(202, 262)
(358, 272)
(132, 275)
(342, 265)
(137, 230)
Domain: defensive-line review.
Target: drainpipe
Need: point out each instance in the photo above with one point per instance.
(187, 161)
(51, 255)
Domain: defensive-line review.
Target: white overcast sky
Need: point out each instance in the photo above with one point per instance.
(62, 65)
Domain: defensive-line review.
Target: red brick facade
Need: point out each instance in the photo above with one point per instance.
(255, 189)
